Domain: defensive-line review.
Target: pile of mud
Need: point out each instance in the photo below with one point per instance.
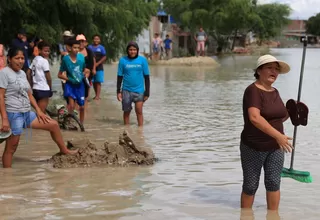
(124, 153)
(188, 61)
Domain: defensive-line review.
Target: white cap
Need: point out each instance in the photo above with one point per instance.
(68, 34)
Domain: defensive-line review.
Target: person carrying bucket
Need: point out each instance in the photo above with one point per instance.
(263, 141)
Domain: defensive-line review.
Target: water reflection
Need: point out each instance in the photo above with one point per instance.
(248, 214)
(58, 193)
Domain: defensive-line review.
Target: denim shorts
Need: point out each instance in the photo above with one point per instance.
(20, 120)
(130, 97)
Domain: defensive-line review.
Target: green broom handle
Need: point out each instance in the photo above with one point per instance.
(305, 43)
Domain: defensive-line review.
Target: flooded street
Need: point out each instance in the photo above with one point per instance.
(193, 122)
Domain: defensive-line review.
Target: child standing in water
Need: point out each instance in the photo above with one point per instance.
(156, 46)
(39, 76)
(133, 76)
(75, 67)
(168, 46)
(100, 56)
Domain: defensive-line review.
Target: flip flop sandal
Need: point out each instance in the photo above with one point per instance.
(291, 106)
(4, 136)
(303, 112)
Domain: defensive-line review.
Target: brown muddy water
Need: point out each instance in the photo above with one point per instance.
(193, 122)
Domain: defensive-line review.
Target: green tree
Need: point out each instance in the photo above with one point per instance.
(194, 13)
(224, 19)
(313, 25)
(235, 18)
(220, 18)
(117, 21)
(272, 19)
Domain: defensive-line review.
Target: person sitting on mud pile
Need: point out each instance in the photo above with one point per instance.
(15, 99)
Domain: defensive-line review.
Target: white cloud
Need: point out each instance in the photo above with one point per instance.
(301, 9)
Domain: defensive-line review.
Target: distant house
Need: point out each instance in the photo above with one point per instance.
(296, 29)
(164, 24)
(159, 23)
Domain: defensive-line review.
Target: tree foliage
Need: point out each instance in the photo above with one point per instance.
(273, 17)
(313, 25)
(117, 21)
(225, 18)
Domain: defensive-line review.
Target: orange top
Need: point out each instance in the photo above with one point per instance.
(2, 57)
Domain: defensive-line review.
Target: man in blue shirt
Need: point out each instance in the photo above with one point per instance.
(21, 42)
(133, 75)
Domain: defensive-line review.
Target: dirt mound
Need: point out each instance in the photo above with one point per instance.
(123, 153)
(189, 61)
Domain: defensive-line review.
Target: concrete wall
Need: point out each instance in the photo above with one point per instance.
(143, 41)
(145, 38)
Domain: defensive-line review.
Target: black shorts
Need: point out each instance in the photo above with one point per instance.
(41, 94)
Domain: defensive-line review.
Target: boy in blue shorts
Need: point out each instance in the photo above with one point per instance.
(100, 56)
(74, 65)
(168, 46)
(133, 75)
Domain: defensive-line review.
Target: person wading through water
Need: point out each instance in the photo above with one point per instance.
(134, 77)
(263, 141)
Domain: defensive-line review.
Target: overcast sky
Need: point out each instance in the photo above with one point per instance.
(301, 9)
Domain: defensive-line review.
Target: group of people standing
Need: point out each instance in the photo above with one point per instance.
(159, 46)
(81, 66)
(24, 84)
(95, 55)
